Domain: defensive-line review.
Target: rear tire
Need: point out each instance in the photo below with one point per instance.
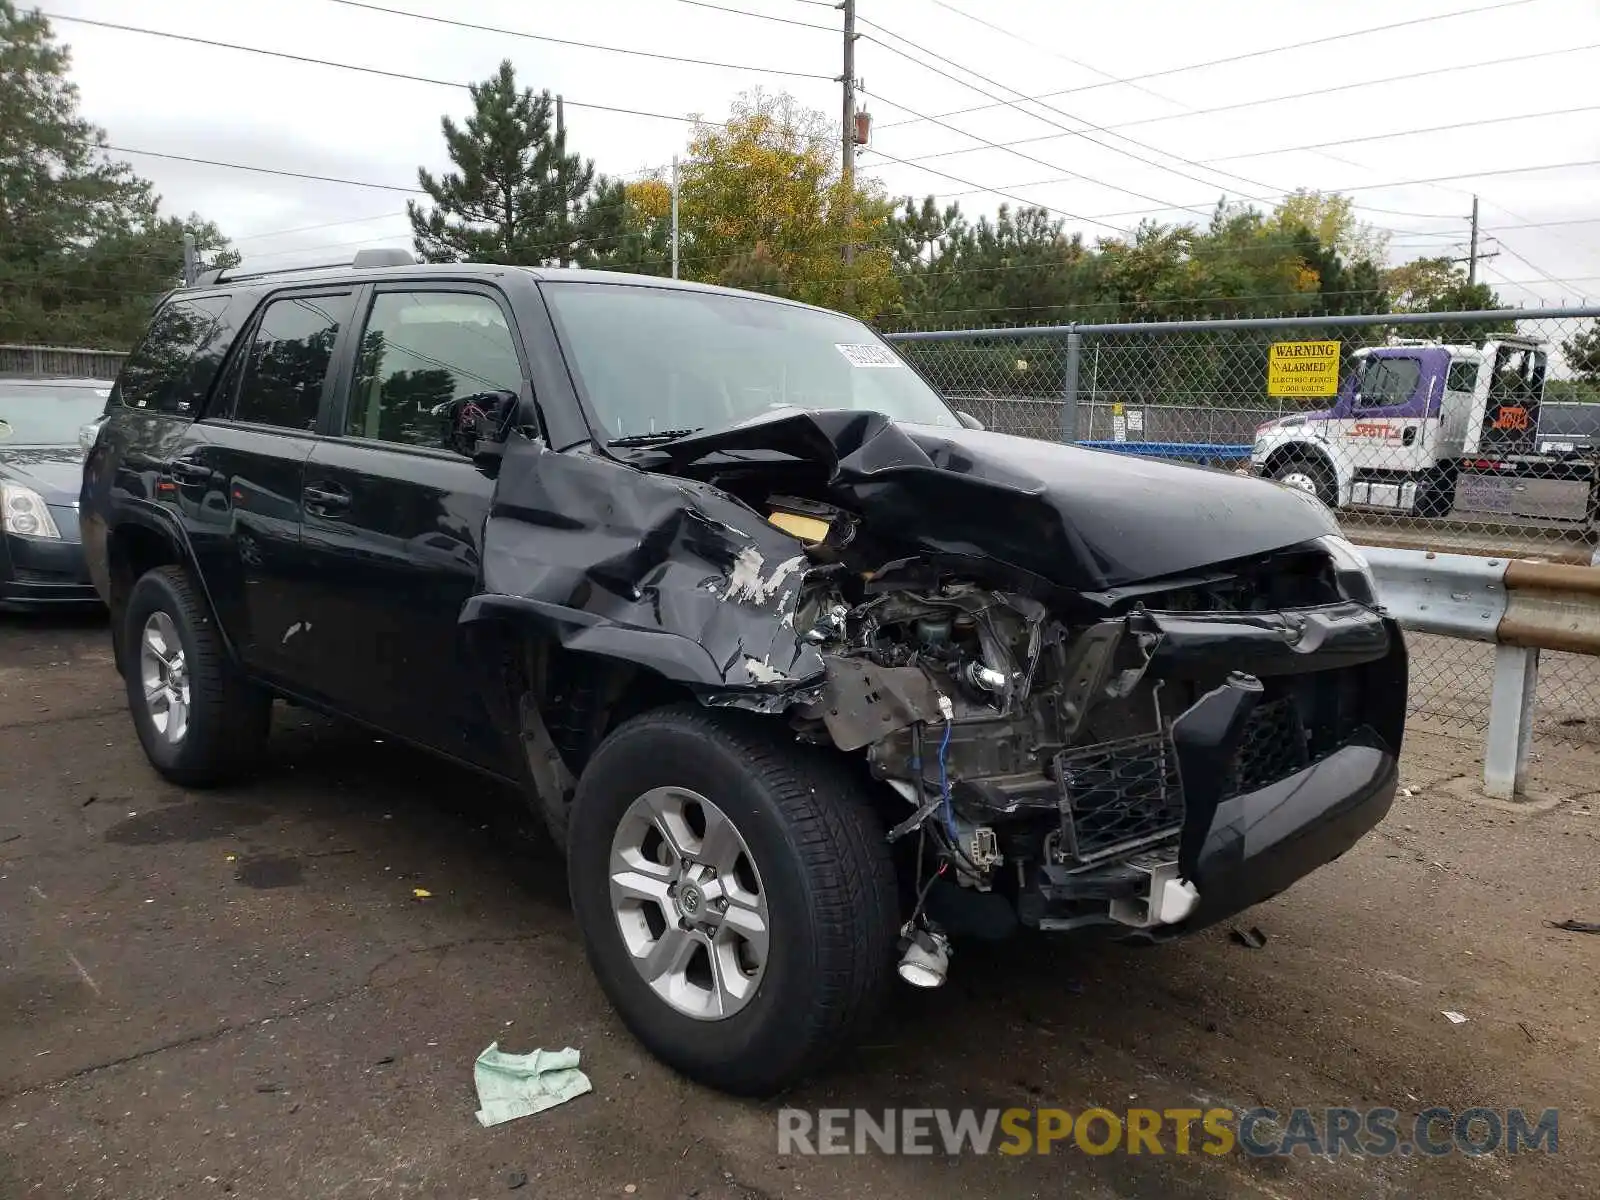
(806, 947)
(1308, 475)
(200, 722)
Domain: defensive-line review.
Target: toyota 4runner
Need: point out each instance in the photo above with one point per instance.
(806, 673)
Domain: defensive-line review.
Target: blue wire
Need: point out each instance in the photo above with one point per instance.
(944, 784)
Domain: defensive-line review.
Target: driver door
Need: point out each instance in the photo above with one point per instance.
(395, 513)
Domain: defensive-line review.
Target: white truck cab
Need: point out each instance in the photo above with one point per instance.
(1409, 415)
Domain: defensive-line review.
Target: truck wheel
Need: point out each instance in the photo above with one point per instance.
(199, 722)
(735, 895)
(1308, 475)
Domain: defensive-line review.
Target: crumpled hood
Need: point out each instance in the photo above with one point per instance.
(55, 472)
(1079, 518)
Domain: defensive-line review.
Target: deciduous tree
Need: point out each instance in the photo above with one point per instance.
(83, 245)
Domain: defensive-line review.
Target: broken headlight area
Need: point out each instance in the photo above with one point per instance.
(1146, 761)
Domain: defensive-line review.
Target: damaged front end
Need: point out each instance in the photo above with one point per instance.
(1147, 760)
(1079, 719)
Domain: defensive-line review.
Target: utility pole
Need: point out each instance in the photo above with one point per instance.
(191, 261)
(674, 216)
(1472, 253)
(849, 126)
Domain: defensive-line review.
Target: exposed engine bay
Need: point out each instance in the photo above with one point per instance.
(1036, 747)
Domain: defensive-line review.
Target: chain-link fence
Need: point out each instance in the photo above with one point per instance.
(1468, 432)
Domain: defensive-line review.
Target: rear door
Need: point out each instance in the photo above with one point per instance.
(395, 511)
(235, 477)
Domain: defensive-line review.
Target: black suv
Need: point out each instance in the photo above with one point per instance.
(806, 673)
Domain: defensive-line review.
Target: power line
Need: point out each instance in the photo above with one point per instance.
(1017, 37)
(984, 142)
(272, 233)
(1360, 187)
(742, 12)
(342, 66)
(1532, 266)
(1243, 104)
(1561, 237)
(557, 41)
(1233, 58)
(1407, 77)
(1398, 133)
(212, 162)
(1190, 110)
(1009, 196)
(1040, 117)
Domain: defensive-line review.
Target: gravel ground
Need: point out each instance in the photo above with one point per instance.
(239, 994)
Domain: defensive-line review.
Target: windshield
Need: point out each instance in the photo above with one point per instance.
(44, 414)
(652, 360)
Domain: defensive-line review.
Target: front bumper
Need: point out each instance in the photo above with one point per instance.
(1235, 847)
(1258, 844)
(44, 573)
(1243, 851)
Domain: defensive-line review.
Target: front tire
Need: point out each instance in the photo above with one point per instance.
(1308, 475)
(735, 895)
(199, 721)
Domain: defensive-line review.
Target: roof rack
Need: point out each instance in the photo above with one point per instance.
(376, 256)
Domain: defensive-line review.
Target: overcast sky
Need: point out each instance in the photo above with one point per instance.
(180, 98)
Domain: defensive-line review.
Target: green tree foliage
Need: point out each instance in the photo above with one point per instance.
(1582, 352)
(1439, 285)
(517, 196)
(763, 203)
(84, 248)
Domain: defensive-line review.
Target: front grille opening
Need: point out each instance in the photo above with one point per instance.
(1274, 746)
(1119, 795)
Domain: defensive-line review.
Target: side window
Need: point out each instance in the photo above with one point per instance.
(1389, 381)
(1463, 377)
(288, 360)
(172, 368)
(423, 356)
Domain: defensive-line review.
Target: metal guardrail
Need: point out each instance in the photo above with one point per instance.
(1523, 607)
(58, 362)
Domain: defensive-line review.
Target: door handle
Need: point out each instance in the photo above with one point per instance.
(325, 500)
(189, 472)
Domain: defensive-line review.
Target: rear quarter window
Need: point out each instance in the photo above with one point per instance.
(172, 369)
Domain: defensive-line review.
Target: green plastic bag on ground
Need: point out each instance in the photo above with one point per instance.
(519, 1085)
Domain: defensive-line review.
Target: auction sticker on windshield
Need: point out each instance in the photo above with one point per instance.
(869, 356)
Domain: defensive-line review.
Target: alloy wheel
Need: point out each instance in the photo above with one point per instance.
(689, 903)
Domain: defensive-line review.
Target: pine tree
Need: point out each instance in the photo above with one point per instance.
(516, 197)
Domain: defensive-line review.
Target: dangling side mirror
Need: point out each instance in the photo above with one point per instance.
(967, 419)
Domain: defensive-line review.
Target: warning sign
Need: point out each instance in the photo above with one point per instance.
(1303, 369)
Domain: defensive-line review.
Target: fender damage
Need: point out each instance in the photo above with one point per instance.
(1109, 692)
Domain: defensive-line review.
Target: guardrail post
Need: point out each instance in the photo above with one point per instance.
(1505, 759)
(1069, 390)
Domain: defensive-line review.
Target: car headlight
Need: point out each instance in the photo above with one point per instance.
(1351, 569)
(23, 510)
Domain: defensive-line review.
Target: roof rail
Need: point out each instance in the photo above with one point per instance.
(376, 256)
